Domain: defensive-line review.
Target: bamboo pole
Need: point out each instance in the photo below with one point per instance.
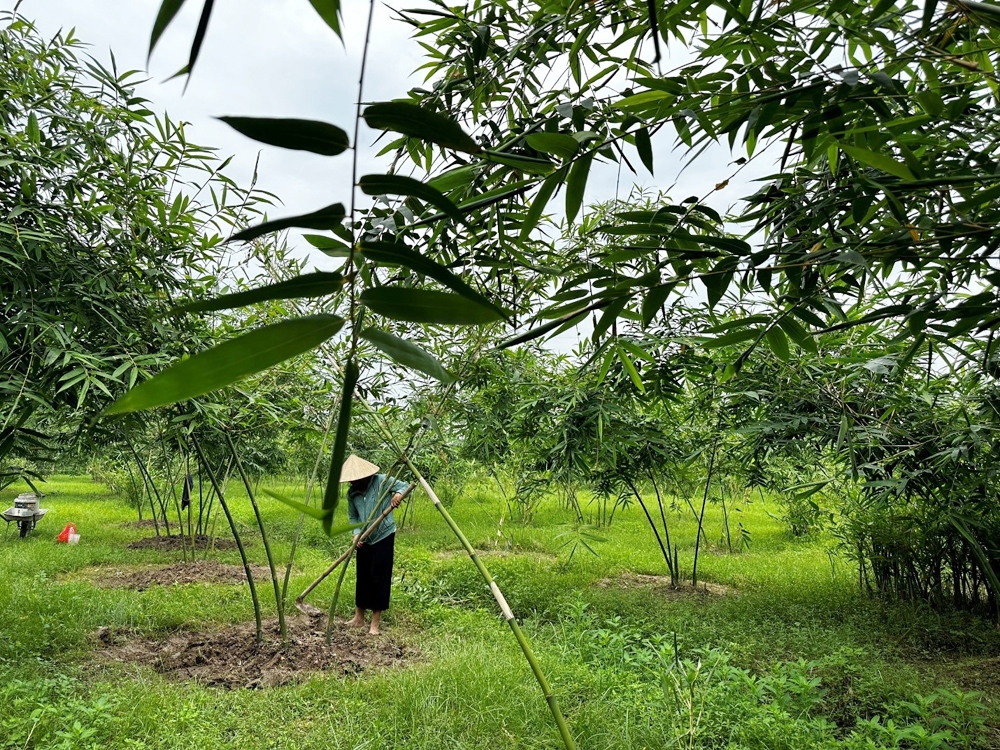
(236, 536)
(501, 601)
(263, 535)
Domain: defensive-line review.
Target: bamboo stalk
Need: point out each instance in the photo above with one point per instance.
(236, 536)
(501, 601)
(263, 535)
(302, 516)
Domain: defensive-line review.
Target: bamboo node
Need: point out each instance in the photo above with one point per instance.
(498, 595)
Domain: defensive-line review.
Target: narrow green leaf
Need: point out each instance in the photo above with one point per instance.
(557, 144)
(736, 337)
(777, 342)
(331, 497)
(630, 369)
(309, 510)
(318, 284)
(300, 135)
(427, 306)
(199, 33)
(394, 184)
(653, 302)
(417, 122)
(521, 163)
(397, 254)
(608, 317)
(168, 9)
(326, 218)
(576, 186)
(329, 11)
(329, 245)
(541, 199)
(407, 354)
(716, 283)
(882, 162)
(645, 148)
(798, 334)
(228, 362)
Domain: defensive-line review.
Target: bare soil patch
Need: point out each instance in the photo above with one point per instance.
(230, 657)
(661, 585)
(199, 571)
(174, 543)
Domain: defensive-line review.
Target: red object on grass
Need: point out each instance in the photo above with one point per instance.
(64, 534)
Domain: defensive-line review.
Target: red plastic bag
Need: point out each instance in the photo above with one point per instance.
(64, 534)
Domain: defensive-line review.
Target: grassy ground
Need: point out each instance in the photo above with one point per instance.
(793, 656)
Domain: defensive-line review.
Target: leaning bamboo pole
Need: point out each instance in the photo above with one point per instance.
(501, 601)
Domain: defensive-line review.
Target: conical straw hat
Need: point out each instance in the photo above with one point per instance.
(357, 468)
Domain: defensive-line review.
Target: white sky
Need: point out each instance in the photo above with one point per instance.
(277, 58)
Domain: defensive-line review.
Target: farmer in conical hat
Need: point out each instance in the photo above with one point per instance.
(369, 495)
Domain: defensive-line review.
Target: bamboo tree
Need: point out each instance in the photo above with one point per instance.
(263, 535)
(236, 537)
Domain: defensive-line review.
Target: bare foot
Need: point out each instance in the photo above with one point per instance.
(354, 623)
(373, 631)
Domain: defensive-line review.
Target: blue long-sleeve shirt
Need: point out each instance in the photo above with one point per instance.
(361, 504)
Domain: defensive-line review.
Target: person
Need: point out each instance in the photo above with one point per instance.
(368, 496)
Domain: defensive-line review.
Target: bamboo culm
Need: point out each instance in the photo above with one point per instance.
(278, 602)
(236, 537)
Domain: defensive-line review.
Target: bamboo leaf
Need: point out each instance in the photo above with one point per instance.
(329, 245)
(329, 11)
(392, 184)
(881, 162)
(630, 369)
(318, 284)
(168, 9)
(645, 148)
(199, 33)
(397, 254)
(331, 497)
(427, 306)
(228, 362)
(777, 342)
(300, 135)
(576, 186)
(523, 163)
(798, 334)
(326, 218)
(653, 302)
(407, 354)
(557, 144)
(534, 213)
(417, 122)
(736, 337)
(309, 510)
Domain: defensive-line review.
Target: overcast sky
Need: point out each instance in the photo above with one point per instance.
(278, 58)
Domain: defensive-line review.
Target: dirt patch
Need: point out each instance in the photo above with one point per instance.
(199, 571)
(661, 585)
(175, 543)
(231, 658)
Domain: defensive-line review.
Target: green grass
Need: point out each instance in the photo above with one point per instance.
(797, 657)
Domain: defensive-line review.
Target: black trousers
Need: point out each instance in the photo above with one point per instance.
(374, 574)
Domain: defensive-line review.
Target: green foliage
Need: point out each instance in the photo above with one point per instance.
(108, 212)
